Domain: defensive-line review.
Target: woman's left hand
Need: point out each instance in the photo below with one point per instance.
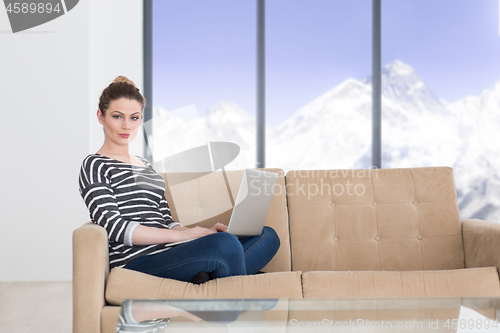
(219, 227)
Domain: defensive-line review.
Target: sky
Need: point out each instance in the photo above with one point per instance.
(204, 50)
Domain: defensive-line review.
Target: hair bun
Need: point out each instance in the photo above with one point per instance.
(121, 87)
(122, 78)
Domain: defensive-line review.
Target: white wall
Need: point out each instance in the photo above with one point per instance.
(51, 77)
(116, 29)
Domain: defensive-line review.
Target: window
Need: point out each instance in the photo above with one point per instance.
(204, 67)
(440, 85)
(441, 94)
(318, 95)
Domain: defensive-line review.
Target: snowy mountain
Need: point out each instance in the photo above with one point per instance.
(417, 127)
(334, 131)
(402, 85)
(476, 170)
(227, 122)
(185, 129)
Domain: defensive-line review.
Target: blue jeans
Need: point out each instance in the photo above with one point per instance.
(220, 254)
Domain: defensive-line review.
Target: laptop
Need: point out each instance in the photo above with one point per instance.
(251, 205)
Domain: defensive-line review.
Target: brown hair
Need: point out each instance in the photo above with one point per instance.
(121, 87)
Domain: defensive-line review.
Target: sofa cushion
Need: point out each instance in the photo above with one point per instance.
(471, 282)
(203, 199)
(380, 220)
(127, 284)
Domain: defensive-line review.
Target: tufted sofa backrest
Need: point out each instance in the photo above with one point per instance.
(374, 219)
(204, 199)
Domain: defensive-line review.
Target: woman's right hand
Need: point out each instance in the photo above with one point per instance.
(195, 232)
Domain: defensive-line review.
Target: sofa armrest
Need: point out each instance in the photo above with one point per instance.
(481, 243)
(90, 272)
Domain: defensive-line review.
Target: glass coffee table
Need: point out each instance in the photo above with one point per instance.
(311, 315)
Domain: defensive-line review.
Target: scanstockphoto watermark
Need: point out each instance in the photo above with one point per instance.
(333, 183)
(358, 324)
(471, 325)
(24, 15)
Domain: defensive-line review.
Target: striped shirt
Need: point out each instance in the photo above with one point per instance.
(120, 197)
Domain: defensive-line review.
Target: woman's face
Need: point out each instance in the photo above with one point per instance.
(121, 121)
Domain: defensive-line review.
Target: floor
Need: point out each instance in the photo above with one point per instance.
(35, 307)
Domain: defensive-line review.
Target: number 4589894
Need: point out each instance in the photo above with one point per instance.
(25, 8)
(475, 324)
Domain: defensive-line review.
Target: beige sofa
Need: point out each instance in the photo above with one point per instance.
(344, 234)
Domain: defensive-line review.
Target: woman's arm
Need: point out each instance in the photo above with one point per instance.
(216, 227)
(146, 235)
(165, 211)
(101, 203)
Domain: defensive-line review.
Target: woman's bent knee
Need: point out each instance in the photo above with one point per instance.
(228, 252)
(224, 239)
(273, 237)
(224, 246)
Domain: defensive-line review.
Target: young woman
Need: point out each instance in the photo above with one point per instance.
(126, 196)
